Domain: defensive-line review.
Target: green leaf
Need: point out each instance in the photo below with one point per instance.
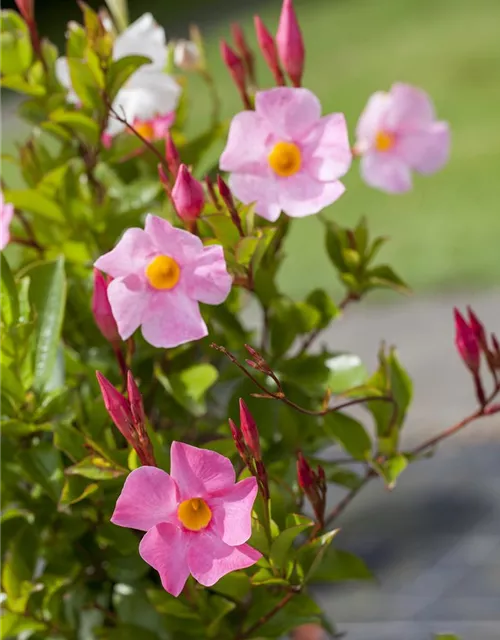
(392, 468)
(299, 610)
(42, 464)
(311, 555)
(16, 51)
(281, 546)
(446, 636)
(346, 371)
(385, 277)
(266, 578)
(219, 609)
(266, 235)
(19, 84)
(76, 489)
(236, 585)
(120, 71)
(96, 468)
(14, 624)
(18, 569)
(336, 242)
(245, 249)
(48, 298)
(9, 298)
(70, 440)
(189, 386)
(349, 433)
(85, 83)
(326, 307)
(338, 565)
(77, 122)
(223, 229)
(401, 385)
(33, 201)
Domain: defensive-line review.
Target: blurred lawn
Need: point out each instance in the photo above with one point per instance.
(446, 233)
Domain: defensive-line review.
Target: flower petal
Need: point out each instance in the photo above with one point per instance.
(329, 156)
(6, 215)
(386, 172)
(143, 37)
(232, 512)
(129, 255)
(247, 144)
(302, 195)
(129, 299)
(172, 318)
(427, 150)
(177, 243)
(165, 548)
(371, 120)
(291, 112)
(199, 472)
(149, 497)
(262, 190)
(207, 279)
(410, 108)
(210, 558)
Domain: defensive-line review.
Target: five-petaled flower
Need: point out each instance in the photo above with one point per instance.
(285, 156)
(398, 132)
(6, 215)
(150, 95)
(161, 274)
(197, 519)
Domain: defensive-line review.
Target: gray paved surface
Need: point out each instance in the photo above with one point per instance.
(434, 542)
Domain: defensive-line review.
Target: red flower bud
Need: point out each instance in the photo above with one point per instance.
(249, 430)
(477, 327)
(101, 309)
(466, 343)
(305, 474)
(188, 195)
(268, 49)
(244, 50)
(237, 70)
(135, 402)
(290, 43)
(172, 155)
(26, 9)
(118, 408)
(238, 440)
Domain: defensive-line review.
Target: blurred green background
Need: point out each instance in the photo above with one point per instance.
(446, 233)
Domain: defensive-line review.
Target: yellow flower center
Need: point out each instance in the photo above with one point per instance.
(384, 141)
(195, 514)
(285, 159)
(163, 272)
(145, 129)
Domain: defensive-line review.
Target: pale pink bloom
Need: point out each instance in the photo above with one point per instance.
(197, 518)
(285, 156)
(6, 215)
(398, 132)
(161, 274)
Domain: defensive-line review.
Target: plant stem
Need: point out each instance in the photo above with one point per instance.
(267, 616)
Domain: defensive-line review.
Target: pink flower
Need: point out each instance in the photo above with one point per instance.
(398, 132)
(101, 309)
(160, 276)
(6, 215)
(197, 518)
(188, 195)
(285, 156)
(290, 43)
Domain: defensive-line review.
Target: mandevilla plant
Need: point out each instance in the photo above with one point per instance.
(182, 492)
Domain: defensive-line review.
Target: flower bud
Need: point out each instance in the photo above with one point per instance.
(268, 49)
(237, 70)
(238, 440)
(305, 475)
(172, 155)
(118, 408)
(188, 195)
(26, 9)
(101, 309)
(249, 430)
(466, 343)
(135, 401)
(477, 327)
(244, 50)
(290, 43)
(186, 55)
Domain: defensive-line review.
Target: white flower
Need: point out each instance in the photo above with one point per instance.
(149, 92)
(186, 55)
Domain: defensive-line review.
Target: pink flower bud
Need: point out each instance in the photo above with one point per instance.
(268, 49)
(172, 155)
(26, 9)
(102, 309)
(244, 50)
(466, 343)
(477, 327)
(135, 401)
(249, 430)
(305, 474)
(238, 440)
(290, 43)
(188, 195)
(237, 70)
(118, 408)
